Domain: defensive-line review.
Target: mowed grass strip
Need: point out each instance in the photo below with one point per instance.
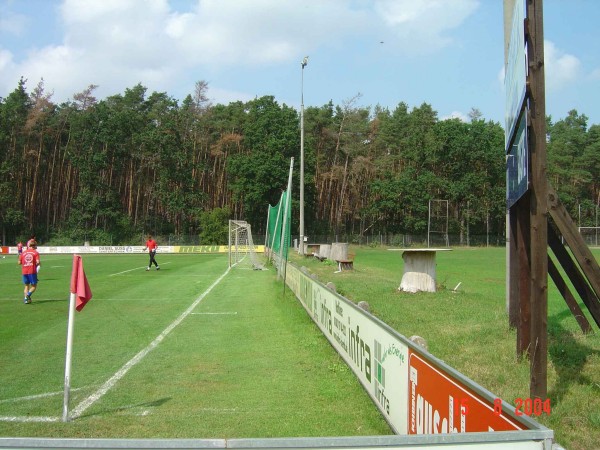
(247, 362)
(469, 330)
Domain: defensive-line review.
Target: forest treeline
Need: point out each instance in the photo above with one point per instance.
(107, 170)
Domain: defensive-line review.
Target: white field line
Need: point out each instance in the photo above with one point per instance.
(35, 397)
(137, 268)
(79, 409)
(125, 271)
(215, 313)
(218, 410)
(28, 419)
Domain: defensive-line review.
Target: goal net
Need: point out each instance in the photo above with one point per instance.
(591, 235)
(278, 232)
(437, 224)
(242, 252)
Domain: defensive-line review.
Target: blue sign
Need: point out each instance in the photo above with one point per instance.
(516, 142)
(517, 165)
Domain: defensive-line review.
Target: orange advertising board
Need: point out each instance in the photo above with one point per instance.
(438, 403)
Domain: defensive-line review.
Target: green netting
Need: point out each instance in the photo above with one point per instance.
(276, 224)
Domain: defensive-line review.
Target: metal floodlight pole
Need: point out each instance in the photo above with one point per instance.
(301, 246)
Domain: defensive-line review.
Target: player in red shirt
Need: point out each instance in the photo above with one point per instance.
(29, 261)
(151, 246)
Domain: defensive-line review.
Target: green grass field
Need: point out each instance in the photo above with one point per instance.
(469, 330)
(248, 362)
(245, 362)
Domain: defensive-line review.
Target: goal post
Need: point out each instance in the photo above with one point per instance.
(241, 249)
(437, 221)
(590, 235)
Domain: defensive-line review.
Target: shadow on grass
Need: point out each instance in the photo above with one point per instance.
(151, 404)
(568, 356)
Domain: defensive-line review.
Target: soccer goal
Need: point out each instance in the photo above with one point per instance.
(437, 223)
(242, 252)
(591, 235)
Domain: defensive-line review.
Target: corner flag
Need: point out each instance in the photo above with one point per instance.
(79, 284)
(80, 295)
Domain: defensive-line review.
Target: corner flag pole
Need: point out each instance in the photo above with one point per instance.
(72, 299)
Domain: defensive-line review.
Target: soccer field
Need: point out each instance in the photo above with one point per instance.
(189, 351)
(247, 361)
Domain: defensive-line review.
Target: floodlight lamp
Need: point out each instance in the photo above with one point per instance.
(304, 62)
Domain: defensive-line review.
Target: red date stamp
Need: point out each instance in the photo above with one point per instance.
(527, 407)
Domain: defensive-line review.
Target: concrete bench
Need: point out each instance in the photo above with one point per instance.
(419, 269)
(319, 257)
(345, 264)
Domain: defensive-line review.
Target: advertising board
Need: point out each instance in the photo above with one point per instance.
(516, 73)
(417, 393)
(515, 81)
(439, 403)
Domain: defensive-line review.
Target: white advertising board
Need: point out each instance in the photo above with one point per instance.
(103, 249)
(417, 393)
(516, 73)
(376, 357)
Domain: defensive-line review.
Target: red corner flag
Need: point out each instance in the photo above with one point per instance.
(79, 283)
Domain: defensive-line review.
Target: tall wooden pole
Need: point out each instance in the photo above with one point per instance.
(539, 201)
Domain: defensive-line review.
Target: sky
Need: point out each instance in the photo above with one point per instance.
(362, 53)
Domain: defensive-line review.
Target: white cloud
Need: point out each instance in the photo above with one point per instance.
(119, 43)
(11, 23)
(423, 24)
(5, 60)
(113, 43)
(177, 25)
(456, 115)
(253, 32)
(561, 69)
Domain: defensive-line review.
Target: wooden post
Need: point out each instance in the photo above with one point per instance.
(584, 324)
(539, 201)
(512, 269)
(523, 279)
